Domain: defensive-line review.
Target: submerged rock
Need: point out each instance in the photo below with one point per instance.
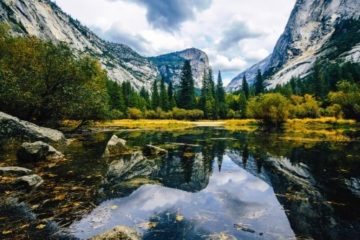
(30, 181)
(118, 233)
(14, 171)
(150, 150)
(37, 151)
(13, 127)
(116, 146)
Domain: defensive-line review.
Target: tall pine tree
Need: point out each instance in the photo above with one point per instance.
(245, 87)
(164, 100)
(220, 98)
(171, 96)
(207, 98)
(186, 95)
(155, 98)
(259, 83)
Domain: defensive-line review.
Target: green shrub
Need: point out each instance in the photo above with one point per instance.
(271, 108)
(135, 113)
(304, 107)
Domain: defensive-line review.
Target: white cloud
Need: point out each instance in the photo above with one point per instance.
(246, 30)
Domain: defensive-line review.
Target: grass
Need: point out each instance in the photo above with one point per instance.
(319, 129)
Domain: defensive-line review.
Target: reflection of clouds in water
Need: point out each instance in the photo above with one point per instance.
(232, 196)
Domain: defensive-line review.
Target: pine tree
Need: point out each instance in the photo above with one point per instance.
(164, 100)
(259, 84)
(207, 98)
(145, 95)
(171, 96)
(155, 98)
(245, 87)
(186, 95)
(220, 98)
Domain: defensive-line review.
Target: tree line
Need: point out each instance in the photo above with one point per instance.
(45, 82)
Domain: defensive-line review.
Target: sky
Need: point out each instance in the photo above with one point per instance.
(234, 33)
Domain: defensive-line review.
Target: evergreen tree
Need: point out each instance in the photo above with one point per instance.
(145, 95)
(164, 99)
(207, 98)
(116, 97)
(186, 95)
(259, 84)
(245, 87)
(155, 98)
(220, 98)
(171, 96)
(320, 87)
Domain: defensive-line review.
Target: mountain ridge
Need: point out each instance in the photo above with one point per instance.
(310, 26)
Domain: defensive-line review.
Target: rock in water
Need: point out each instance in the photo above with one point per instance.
(118, 233)
(37, 151)
(116, 146)
(30, 181)
(14, 171)
(150, 150)
(13, 127)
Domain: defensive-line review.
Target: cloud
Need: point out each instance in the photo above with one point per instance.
(235, 33)
(169, 15)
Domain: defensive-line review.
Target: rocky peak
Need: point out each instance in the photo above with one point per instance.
(170, 65)
(311, 25)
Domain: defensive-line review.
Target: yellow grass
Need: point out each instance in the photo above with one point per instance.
(146, 124)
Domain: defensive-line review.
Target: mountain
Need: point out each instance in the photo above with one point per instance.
(44, 19)
(170, 65)
(317, 29)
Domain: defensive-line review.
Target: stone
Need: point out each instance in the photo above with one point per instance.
(37, 151)
(150, 150)
(118, 233)
(30, 181)
(13, 127)
(14, 171)
(116, 146)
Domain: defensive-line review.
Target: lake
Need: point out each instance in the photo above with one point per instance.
(216, 184)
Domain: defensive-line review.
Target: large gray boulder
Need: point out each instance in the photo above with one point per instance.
(116, 146)
(14, 171)
(118, 233)
(37, 151)
(13, 127)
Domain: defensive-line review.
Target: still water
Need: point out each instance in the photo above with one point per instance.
(217, 184)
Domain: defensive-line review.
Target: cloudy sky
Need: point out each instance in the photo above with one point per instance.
(234, 33)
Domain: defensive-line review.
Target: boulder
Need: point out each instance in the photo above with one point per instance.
(116, 146)
(37, 151)
(150, 150)
(13, 127)
(30, 181)
(118, 233)
(14, 171)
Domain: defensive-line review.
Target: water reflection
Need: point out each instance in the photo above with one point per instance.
(232, 197)
(246, 185)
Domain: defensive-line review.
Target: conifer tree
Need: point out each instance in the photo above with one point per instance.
(164, 100)
(220, 98)
(155, 98)
(145, 95)
(245, 87)
(171, 96)
(186, 95)
(207, 98)
(259, 84)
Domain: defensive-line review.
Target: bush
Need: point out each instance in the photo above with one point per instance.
(333, 111)
(231, 114)
(182, 114)
(134, 113)
(348, 98)
(116, 114)
(304, 107)
(271, 108)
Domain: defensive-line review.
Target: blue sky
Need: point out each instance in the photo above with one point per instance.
(234, 33)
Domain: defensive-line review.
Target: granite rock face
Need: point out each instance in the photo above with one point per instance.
(170, 65)
(310, 29)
